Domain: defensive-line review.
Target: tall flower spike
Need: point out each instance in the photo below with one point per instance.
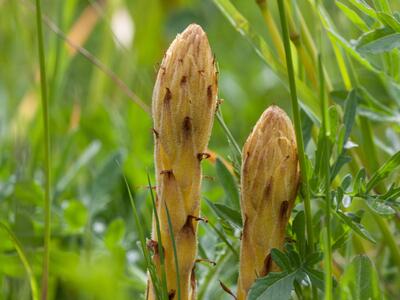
(269, 184)
(184, 104)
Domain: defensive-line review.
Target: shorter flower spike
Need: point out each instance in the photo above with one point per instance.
(269, 182)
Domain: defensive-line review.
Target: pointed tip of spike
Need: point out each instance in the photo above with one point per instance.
(191, 40)
(275, 117)
(193, 33)
(193, 29)
(275, 109)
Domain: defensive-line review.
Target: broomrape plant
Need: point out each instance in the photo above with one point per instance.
(269, 182)
(306, 208)
(184, 103)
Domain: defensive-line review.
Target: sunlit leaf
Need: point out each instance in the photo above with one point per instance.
(389, 20)
(364, 7)
(352, 16)
(379, 207)
(360, 280)
(350, 109)
(378, 41)
(356, 227)
(384, 171)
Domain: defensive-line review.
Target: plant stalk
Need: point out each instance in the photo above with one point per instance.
(273, 29)
(306, 59)
(310, 45)
(24, 260)
(46, 131)
(228, 132)
(297, 125)
(327, 237)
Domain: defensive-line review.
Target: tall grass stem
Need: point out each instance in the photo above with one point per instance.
(228, 133)
(46, 133)
(24, 260)
(171, 232)
(142, 239)
(326, 131)
(297, 125)
(270, 23)
(159, 243)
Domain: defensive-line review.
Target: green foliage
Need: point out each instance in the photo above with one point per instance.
(228, 183)
(274, 286)
(360, 280)
(352, 16)
(353, 222)
(76, 215)
(384, 171)
(114, 234)
(226, 213)
(101, 144)
(161, 289)
(379, 41)
(294, 269)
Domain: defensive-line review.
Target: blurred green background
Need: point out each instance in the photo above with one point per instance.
(98, 133)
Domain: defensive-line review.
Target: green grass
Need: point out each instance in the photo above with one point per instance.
(163, 285)
(24, 260)
(305, 189)
(47, 152)
(77, 220)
